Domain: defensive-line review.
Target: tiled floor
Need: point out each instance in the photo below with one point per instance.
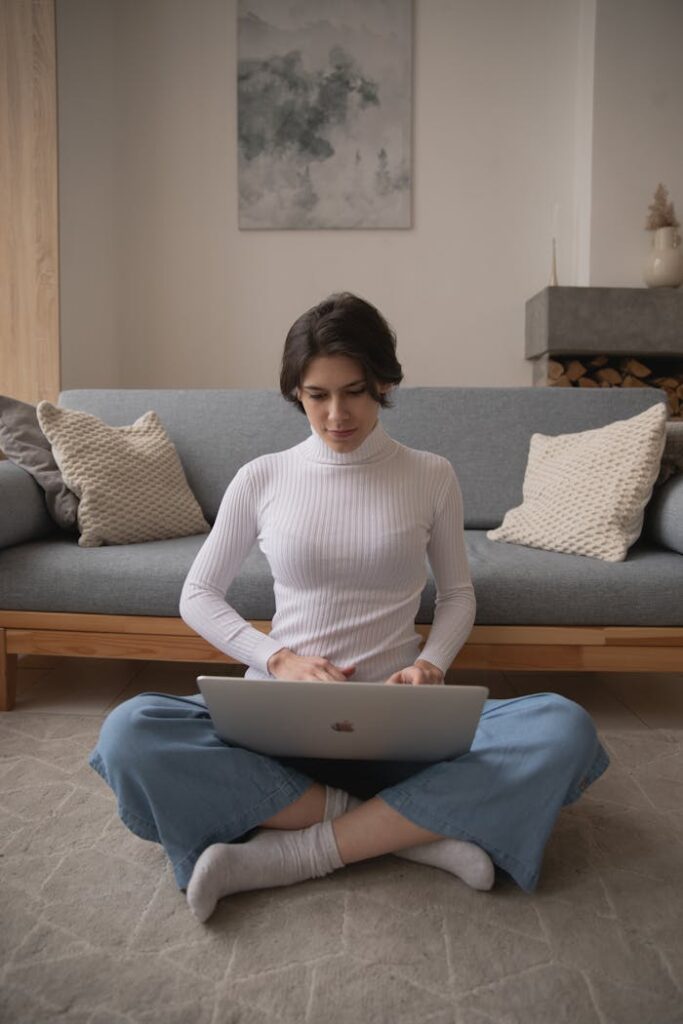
(95, 932)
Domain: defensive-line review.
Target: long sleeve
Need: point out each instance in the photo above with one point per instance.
(346, 536)
(455, 600)
(202, 602)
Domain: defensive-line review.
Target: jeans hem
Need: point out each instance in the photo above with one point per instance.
(598, 768)
(525, 878)
(96, 762)
(271, 805)
(138, 826)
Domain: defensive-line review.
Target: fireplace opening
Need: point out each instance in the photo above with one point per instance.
(610, 371)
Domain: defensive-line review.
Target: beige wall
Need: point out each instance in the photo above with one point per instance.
(160, 288)
(638, 130)
(89, 249)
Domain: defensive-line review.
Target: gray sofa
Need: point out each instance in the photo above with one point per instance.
(535, 609)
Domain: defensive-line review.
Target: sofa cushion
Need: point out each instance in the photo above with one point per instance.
(664, 521)
(513, 584)
(128, 579)
(129, 479)
(483, 432)
(585, 493)
(516, 585)
(25, 444)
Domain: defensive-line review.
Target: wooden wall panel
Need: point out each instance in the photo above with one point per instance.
(29, 298)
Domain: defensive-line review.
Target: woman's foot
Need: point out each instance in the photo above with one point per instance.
(464, 860)
(271, 858)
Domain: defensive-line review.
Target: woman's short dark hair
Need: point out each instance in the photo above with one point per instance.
(341, 325)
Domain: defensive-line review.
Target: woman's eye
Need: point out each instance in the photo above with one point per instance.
(319, 398)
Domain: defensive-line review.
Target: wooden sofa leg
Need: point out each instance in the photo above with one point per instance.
(8, 675)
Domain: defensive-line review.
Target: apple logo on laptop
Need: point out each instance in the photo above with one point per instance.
(342, 726)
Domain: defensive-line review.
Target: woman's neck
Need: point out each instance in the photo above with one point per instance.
(376, 447)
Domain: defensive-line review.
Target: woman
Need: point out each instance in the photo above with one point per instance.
(345, 520)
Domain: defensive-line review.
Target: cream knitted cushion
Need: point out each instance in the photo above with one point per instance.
(130, 482)
(585, 493)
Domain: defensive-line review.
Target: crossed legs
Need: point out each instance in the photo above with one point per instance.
(172, 777)
(323, 830)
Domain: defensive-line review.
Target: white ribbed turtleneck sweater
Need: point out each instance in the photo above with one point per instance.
(345, 534)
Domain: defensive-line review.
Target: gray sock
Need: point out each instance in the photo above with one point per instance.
(273, 857)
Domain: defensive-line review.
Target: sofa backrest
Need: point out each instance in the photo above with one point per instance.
(214, 431)
(484, 432)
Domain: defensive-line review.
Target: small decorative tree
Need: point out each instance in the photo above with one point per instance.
(662, 213)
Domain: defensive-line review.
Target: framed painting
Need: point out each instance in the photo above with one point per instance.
(325, 113)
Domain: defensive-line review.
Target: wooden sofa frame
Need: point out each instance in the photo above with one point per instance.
(150, 638)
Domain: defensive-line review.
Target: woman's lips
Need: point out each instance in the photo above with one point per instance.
(341, 434)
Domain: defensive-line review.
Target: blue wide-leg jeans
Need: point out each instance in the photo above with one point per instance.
(178, 784)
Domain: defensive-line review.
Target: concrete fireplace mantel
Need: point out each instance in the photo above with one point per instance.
(605, 321)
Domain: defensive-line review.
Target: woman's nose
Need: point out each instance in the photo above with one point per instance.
(338, 409)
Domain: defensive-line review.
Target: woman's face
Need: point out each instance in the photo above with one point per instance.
(337, 403)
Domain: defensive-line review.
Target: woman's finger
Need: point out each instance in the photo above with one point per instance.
(397, 678)
(332, 674)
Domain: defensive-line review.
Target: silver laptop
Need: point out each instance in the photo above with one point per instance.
(354, 720)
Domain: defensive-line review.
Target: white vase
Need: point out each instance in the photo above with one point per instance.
(664, 264)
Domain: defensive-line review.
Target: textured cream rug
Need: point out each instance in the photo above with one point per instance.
(93, 930)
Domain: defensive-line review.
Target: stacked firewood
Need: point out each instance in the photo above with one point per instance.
(614, 372)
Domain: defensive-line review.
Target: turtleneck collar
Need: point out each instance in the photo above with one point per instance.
(376, 447)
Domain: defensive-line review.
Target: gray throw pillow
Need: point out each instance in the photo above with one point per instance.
(672, 459)
(665, 515)
(25, 444)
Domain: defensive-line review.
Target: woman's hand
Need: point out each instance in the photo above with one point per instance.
(422, 673)
(285, 664)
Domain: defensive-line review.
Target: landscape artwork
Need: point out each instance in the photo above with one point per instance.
(324, 113)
